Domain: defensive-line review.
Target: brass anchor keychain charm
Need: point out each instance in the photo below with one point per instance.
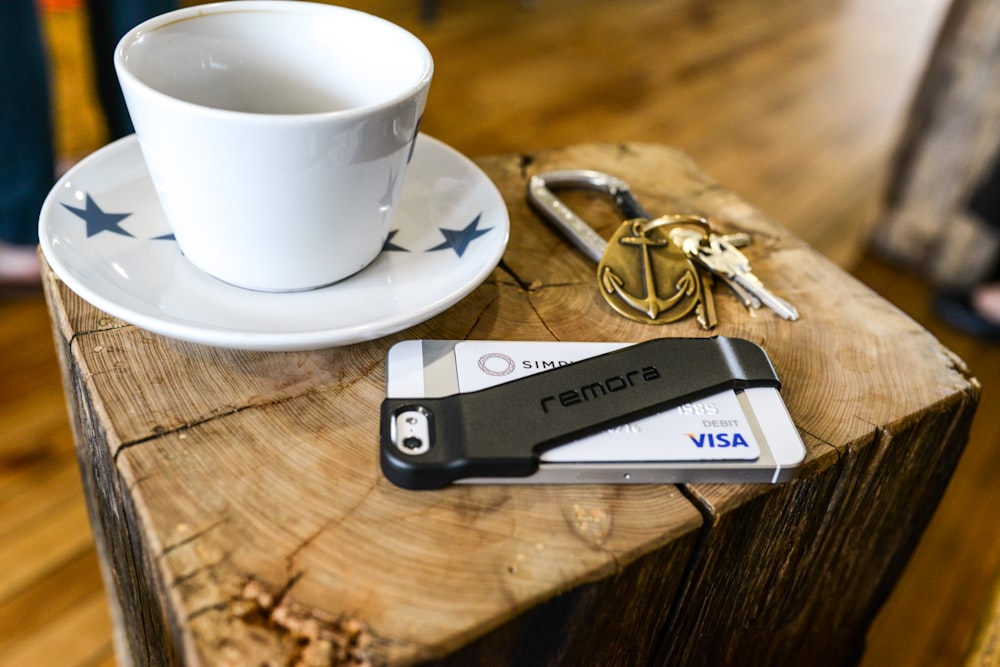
(645, 276)
(642, 273)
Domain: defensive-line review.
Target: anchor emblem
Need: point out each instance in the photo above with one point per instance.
(644, 273)
(646, 277)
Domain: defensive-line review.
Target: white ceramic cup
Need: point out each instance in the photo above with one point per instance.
(277, 134)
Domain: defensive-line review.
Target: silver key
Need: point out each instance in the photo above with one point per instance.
(691, 243)
(723, 259)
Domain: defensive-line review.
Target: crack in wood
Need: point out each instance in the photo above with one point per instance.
(523, 284)
(312, 636)
(201, 611)
(220, 413)
(696, 561)
(625, 150)
(191, 538)
(535, 286)
(182, 579)
(527, 159)
(110, 324)
(290, 559)
(823, 442)
(478, 318)
(541, 319)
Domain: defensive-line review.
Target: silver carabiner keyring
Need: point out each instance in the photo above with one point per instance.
(581, 234)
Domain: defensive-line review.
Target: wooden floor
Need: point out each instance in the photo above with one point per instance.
(793, 105)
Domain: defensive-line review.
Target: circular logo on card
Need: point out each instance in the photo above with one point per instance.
(496, 364)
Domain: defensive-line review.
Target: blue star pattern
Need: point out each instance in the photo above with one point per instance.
(390, 246)
(459, 239)
(97, 220)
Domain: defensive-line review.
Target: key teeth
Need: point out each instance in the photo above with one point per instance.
(791, 314)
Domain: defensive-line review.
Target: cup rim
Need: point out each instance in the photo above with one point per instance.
(136, 33)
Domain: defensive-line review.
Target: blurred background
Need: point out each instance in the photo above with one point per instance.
(821, 113)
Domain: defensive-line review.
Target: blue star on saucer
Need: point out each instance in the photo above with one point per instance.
(390, 246)
(98, 220)
(459, 239)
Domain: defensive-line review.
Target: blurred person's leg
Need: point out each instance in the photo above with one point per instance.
(977, 311)
(26, 145)
(109, 21)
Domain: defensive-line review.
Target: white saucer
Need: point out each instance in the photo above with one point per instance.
(104, 234)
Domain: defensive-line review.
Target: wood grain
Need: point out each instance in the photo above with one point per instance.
(242, 509)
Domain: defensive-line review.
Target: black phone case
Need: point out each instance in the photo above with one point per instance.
(500, 431)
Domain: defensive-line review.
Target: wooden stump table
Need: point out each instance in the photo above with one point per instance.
(242, 519)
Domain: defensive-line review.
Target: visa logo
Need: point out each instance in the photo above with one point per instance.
(713, 440)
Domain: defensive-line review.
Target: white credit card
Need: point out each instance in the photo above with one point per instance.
(731, 436)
